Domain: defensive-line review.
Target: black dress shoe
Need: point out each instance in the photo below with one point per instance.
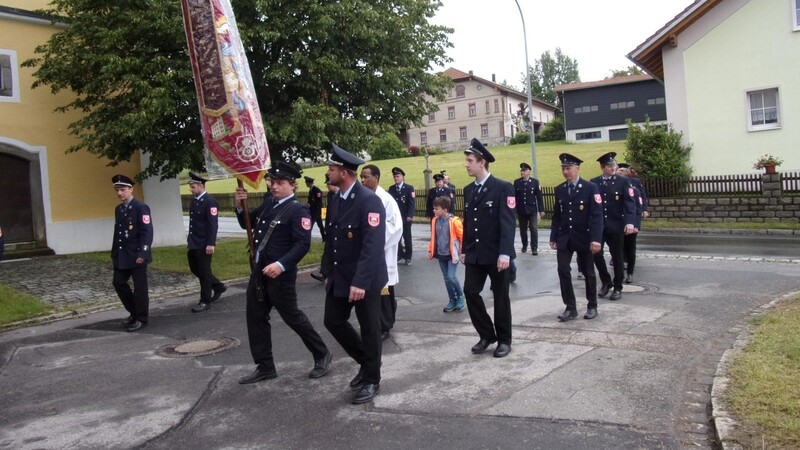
(534, 252)
(616, 295)
(591, 313)
(604, 290)
(358, 380)
(136, 325)
(502, 350)
(524, 249)
(258, 375)
(482, 345)
(321, 366)
(629, 279)
(218, 293)
(567, 315)
(366, 393)
(318, 276)
(127, 322)
(200, 307)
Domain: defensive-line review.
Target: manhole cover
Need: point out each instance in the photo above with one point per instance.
(200, 347)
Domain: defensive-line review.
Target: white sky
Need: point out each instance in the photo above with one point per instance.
(488, 35)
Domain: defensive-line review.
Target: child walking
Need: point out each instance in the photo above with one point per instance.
(445, 245)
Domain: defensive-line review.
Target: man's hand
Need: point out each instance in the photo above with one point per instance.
(240, 194)
(272, 270)
(356, 294)
(595, 247)
(503, 264)
(139, 260)
(541, 215)
(630, 229)
(553, 245)
(646, 214)
(209, 249)
(409, 219)
(462, 257)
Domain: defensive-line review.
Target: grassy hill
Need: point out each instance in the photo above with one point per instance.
(505, 167)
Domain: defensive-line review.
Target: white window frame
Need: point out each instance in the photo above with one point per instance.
(795, 15)
(749, 110)
(14, 74)
(484, 130)
(451, 112)
(423, 138)
(462, 133)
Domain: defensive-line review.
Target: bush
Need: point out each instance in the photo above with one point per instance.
(656, 151)
(522, 137)
(386, 146)
(413, 150)
(552, 131)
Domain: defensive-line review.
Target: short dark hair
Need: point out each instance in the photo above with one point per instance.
(442, 202)
(374, 170)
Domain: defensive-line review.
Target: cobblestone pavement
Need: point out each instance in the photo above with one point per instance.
(67, 282)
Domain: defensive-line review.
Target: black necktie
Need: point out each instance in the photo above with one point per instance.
(477, 191)
(570, 188)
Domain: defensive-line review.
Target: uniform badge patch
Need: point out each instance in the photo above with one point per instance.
(413, 194)
(319, 194)
(511, 202)
(630, 191)
(305, 222)
(374, 219)
(213, 211)
(146, 219)
(598, 199)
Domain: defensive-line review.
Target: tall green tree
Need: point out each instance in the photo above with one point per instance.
(550, 71)
(324, 71)
(630, 70)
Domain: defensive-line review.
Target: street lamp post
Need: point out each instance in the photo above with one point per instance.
(530, 98)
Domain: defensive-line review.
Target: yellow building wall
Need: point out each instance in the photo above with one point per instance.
(79, 183)
(754, 48)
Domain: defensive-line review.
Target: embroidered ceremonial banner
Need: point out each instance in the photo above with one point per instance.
(235, 143)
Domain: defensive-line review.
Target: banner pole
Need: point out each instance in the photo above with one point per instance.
(248, 226)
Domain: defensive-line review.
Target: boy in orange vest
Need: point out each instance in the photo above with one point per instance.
(445, 245)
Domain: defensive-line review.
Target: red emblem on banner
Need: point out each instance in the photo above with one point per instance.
(146, 219)
(511, 202)
(305, 222)
(374, 219)
(598, 199)
(213, 211)
(630, 192)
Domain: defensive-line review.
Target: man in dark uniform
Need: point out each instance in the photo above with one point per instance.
(629, 242)
(405, 197)
(315, 204)
(447, 181)
(577, 227)
(488, 249)
(619, 215)
(130, 253)
(281, 237)
(530, 207)
(202, 240)
(355, 270)
(440, 191)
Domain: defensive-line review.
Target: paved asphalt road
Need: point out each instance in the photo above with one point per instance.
(637, 377)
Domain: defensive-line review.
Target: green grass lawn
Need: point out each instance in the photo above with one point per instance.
(16, 305)
(505, 167)
(229, 262)
(764, 391)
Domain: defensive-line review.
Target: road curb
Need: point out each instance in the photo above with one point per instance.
(725, 423)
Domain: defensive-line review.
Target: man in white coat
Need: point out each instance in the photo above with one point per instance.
(371, 177)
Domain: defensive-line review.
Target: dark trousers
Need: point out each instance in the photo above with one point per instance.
(474, 280)
(629, 244)
(365, 348)
(200, 265)
(388, 310)
(278, 293)
(404, 247)
(614, 242)
(586, 267)
(136, 301)
(528, 222)
(317, 218)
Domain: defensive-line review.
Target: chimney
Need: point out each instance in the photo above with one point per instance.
(470, 72)
(494, 80)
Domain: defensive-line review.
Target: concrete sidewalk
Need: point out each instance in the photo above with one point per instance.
(638, 376)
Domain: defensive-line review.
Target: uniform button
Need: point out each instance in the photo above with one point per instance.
(477, 240)
(570, 227)
(335, 263)
(475, 219)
